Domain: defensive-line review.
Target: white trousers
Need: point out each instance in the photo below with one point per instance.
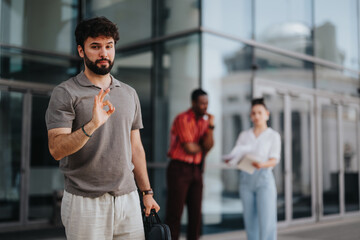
(103, 218)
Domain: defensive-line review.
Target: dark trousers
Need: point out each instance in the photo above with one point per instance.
(184, 184)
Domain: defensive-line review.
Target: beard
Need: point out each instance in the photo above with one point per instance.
(98, 70)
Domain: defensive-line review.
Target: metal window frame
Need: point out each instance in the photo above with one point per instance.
(317, 98)
(28, 90)
(288, 92)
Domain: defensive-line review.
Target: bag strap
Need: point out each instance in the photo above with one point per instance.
(154, 214)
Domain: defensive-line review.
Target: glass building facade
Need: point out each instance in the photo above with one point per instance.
(302, 56)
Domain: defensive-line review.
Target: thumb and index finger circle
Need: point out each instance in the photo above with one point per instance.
(111, 107)
(103, 93)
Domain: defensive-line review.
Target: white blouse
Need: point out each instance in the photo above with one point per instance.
(267, 145)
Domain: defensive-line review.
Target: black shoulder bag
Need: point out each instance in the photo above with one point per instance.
(154, 229)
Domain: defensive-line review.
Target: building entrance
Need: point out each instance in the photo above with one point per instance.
(318, 177)
(338, 155)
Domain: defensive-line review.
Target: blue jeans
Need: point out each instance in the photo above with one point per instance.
(258, 194)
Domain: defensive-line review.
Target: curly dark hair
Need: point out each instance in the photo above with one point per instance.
(94, 27)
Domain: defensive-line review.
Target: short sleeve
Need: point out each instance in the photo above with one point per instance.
(182, 129)
(60, 112)
(241, 140)
(137, 122)
(275, 150)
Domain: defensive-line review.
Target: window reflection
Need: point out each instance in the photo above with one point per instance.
(21, 20)
(279, 68)
(226, 78)
(179, 15)
(351, 159)
(301, 158)
(45, 176)
(336, 32)
(337, 80)
(330, 165)
(134, 69)
(286, 24)
(11, 107)
(276, 106)
(21, 66)
(180, 66)
(176, 76)
(232, 17)
(132, 17)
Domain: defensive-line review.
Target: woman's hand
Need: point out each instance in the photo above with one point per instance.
(269, 163)
(258, 165)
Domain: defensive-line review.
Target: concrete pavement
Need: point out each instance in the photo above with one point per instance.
(346, 229)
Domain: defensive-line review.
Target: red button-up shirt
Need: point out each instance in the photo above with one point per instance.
(185, 129)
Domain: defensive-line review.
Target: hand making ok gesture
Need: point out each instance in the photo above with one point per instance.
(100, 115)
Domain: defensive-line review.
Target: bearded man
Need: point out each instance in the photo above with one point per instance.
(93, 123)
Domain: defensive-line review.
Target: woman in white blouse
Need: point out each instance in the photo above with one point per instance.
(258, 190)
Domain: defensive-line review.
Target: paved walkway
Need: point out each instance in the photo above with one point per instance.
(348, 229)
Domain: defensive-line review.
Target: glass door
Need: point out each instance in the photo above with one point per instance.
(350, 144)
(28, 174)
(292, 115)
(338, 157)
(302, 157)
(276, 104)
(329, 154)
(45, 178)
(11, 174)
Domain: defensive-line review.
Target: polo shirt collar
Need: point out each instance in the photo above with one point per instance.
(191, 113)
(85, 82)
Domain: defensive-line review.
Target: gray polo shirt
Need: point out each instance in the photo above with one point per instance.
(103, 164)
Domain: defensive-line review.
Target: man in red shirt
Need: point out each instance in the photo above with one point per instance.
(191, 139)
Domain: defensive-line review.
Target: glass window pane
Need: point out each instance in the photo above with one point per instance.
(180, 67)
(275, 103)
(280, 68)
(337, 80)
(11, 109)
(39, 24)
(21, 66)
(286, 24)
(157, 176)
(45, 176)
(232, 17)
(134, 69)
(336, 32)
(175, 79)
(301, 158)
(132, 17)
(179, 15)
(226, 76)
(330, 164)
(351, 158)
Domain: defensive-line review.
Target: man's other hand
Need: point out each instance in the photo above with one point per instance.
(150, 203)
